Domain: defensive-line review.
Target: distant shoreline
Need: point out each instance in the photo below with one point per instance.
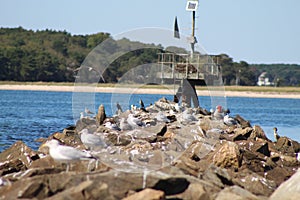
(106, 89)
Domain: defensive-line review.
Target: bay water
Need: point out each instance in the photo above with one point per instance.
(29, 115)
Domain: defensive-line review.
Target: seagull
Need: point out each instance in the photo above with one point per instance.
(66, 154)
(90, 69)
(134, 122)
(177, 107)
(88, 112)
(81, 115)
(229, 120)
(133, 107)
(124, 125)
(276, 136)
(111, 126)
(91, 141)
(218, 114)
(187, 116)
(161, 117)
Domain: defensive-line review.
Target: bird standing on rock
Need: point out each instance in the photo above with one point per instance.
(276, 136)
(88, 112)
(134, 122)
(218, 114)
(112, 126)
(81, 115)
(187, 116)
(161, 117)
(66, 154)
(124, 125)
(229, 120)
(91, 141)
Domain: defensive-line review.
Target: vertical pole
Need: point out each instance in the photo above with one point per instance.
(193, 32)
(162, 68)
(193, 23)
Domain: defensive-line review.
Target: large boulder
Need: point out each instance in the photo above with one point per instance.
(236, 193)
(257, 133)
(242, 133)
(289, 190)
(228, 155)
(255, 183)
(16, 158)
(287, 145)
(147, 194)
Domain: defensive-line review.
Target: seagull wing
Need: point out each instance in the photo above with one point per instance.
(90, 139)
(69, 153)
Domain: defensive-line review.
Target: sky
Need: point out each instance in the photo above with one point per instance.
(255, 31)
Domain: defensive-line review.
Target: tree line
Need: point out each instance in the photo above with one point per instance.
(50, 55)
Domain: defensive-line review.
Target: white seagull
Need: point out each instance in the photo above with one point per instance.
(91, 141)
(187, 116)
(66, 154)
(124, 125)
(229, 120)
(112, 126)
(134, 122)
(81, 115)
(162, 117)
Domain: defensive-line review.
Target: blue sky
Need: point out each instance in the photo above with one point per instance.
(255, 31)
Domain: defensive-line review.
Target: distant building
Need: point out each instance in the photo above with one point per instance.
(264, 80)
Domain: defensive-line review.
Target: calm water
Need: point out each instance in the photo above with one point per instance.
(28, 115)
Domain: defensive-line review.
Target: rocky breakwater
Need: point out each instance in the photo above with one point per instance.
(163, 151)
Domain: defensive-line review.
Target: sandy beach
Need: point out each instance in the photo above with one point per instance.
(226, 93)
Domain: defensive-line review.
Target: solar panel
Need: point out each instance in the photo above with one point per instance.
(192, 5)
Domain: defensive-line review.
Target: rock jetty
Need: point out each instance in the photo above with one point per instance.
(163, 151)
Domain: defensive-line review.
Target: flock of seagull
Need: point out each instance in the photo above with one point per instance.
(93, 142)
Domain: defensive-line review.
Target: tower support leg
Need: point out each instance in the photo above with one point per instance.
(189, 93)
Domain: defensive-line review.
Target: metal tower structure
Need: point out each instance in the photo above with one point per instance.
(186, 71)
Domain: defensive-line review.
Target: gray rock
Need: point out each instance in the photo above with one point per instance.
(289, 190)
(236, 193)
(119, 139)
(147, 194)
(85, 123)
(258, 132)
(217, 176)
(85, 190)
(242, 133)
(195, 191)
(244, 123)
(255, 183)
(100, 117)
(16, 158)
(287, 145)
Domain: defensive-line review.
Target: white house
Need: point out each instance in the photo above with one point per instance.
(263, 80)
